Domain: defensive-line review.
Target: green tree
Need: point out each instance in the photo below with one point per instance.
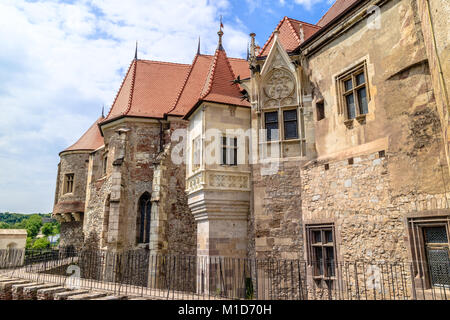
(48, 229)
(33, 224)
(29, 243)
(4, 225)
(41, 243)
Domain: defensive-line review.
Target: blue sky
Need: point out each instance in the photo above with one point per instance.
(61, 61)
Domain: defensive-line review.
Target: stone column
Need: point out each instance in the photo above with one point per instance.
(221, 218)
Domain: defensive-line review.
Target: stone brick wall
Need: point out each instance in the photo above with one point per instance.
(276, 216)
(137, 165)
(71, 234)
(76, 163)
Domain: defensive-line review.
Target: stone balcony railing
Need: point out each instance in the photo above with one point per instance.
(218, 180)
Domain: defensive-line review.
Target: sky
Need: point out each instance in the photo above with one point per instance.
(62, 60)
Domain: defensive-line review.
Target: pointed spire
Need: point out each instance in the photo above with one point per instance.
(103, 111)
(220, 33)
(248, 51)
(135, 52)
(198, 49)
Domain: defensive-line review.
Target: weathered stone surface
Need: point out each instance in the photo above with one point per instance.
(6, 288)
(86, 296)
(30, 293)
(17, 290)
(48, 293)
(67, 294)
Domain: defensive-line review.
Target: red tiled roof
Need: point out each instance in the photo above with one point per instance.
(219, 86)
(90, 140)
(291, 34)
(149, 89)
(154, 88)
(201, 78)
(336, 9)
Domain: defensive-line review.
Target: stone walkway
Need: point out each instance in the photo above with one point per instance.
(21, 285)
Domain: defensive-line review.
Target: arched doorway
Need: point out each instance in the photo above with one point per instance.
(11, 246)
(143, 219)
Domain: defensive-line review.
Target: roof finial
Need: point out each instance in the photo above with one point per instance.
(198, 49)
(103, 111)
(220, 33)
(135, 52)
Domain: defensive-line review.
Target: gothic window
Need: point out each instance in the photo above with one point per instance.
(196, 155)
(105, 163)
(353, 93)
(271, 125)
(431, 250)
(321, 250)
(290, 124)
(68, 183)
(229, 151)
(143, 219)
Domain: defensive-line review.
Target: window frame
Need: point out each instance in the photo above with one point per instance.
(342, 93)
(301, 132)
(66, 183)
(196, 166)
(418, 245)
(322, 113)
(277, 122)
(297, 134)
(105, 163)
(321, 272)
(229, 149)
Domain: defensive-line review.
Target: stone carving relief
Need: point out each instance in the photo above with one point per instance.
(279, 89)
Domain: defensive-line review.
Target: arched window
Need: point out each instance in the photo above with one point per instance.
(143, 219)
(12, 245)
(106, 221)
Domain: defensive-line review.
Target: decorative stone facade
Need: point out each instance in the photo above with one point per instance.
(364, 176)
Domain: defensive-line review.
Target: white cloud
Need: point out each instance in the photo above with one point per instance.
(60, 62)
(308, 4)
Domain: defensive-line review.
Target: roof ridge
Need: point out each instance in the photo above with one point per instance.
(229, 58)
(120, 89)
(210, 76)
(293, 30)
(177, 98)
(271, 35)
(164, 62)
(303, 22)
(133, 80)
(329, 9)
(214, 71)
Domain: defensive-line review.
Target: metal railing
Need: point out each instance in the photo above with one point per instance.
(139, 273)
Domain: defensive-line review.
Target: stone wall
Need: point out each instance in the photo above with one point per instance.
(174, 230)
(137, 164)
(276, 216)
(77, 164)
(71, 234)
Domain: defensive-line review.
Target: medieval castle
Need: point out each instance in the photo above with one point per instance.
(329, 143)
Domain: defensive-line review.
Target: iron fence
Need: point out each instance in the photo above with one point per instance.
(139, 273)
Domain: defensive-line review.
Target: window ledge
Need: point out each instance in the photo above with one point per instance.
(348, 123)
(361, 118)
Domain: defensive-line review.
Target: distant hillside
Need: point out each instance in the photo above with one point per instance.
(13, 218)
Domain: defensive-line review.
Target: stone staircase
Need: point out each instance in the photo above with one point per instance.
(20, 289)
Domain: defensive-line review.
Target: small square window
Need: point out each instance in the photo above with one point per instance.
(321, 250)
(320, 108)
(353, 92)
